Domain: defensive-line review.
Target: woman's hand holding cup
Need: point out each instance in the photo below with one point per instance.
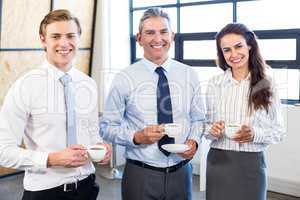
(217, 129)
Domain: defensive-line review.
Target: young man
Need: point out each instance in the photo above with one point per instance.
(150, 93)
(54, 109)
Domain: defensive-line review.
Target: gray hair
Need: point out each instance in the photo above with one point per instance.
(153, 12)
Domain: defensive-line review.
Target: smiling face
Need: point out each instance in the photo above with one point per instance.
(61, 39)
(156, 38)
(235, 51)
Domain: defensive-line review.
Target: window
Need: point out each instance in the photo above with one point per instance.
(196, 23)
(201, 49)
(278, 49)
(269, 15)
(194, 18)
(146, 3)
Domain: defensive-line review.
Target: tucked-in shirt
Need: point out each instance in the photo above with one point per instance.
(227, 100)
(132, 105)
(34, 110)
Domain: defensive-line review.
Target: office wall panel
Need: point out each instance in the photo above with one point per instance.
(6, 171)
(83, 61)
(20, 22)
(83, 9)
(13, 65)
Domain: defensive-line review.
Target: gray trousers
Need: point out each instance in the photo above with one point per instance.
(140, 183)
(234, 175)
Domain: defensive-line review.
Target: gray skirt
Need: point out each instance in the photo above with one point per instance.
(232, 175)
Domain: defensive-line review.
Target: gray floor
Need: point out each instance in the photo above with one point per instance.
(11, 188)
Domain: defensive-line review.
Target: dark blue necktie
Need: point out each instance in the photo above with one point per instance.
(164, 107)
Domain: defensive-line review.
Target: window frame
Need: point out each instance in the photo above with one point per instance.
(51, 3)
(180, 38)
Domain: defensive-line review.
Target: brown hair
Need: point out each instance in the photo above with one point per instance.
(260, 87)
(56, 16)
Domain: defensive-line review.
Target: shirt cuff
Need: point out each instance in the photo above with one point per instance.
(39, 160)
(195, 137)
(207, 134)
(130, 139)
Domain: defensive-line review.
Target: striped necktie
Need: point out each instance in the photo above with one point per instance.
(70, 109)
(164, 107)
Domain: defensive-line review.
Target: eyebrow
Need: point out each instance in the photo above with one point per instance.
(72, 33)
(164, 29)
(238, 43)
(153, 30)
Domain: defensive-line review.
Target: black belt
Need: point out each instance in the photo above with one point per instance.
(69, 187)
(160, 169)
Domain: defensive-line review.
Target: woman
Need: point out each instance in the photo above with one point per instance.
(243, 112)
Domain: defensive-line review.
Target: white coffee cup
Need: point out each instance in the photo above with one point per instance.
(173, 129)
(96, 152)
(231, 129)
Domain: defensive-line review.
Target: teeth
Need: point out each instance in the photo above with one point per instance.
(236, 61)
(157, 46)
(63, 51)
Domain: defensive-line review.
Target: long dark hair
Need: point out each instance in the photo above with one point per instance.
(260, 87)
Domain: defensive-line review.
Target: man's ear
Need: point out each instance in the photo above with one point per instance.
(43, 39)
(173, 36)
(138, 37)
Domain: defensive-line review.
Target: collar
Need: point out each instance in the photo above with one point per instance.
(57, 73)
(228, 79)
(152, 66)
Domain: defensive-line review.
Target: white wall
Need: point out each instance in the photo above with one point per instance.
(111, 43)
(99, 57)
(283, 160)
(119, 49)
(111, 51)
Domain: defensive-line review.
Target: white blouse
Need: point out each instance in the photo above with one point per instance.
(227, 100)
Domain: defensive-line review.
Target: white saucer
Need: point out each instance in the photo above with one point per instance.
(175, 148)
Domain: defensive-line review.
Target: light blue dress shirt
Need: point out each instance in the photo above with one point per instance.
(131, 106)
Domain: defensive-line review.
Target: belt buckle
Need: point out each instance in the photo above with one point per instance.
(66, 189)
(167, 170)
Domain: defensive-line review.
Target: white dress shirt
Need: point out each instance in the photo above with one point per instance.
(227, 100)
(131, 106)
(34, 110)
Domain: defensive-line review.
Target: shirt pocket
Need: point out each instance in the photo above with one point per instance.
(142, 101)
(43, 122)
(46, 131)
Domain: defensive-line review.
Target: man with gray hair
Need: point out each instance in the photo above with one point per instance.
(153, 104)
